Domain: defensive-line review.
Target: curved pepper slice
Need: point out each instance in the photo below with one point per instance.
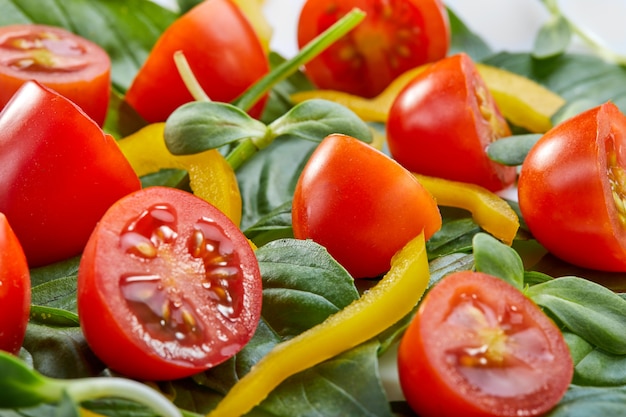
(210, 176)
(522, 101)
(488, 210)
(383, 305)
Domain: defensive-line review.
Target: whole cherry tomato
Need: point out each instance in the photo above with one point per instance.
(441, 123)
(168, 286)
(60, 172)
(572, 189)
(71, 65)
(477, 347)
(224, 54)
(394, 37)
(14, 289)
(361, 205)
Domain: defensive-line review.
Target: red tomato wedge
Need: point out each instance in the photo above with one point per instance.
(168, 286)
(14, 289)
(224, 54)
(477, 347)
(360, 205)
(572, 189)
(441, 123)
(395, 36)
(73, 66)
(60, 173)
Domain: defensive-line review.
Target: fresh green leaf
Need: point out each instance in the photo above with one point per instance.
(464, 40)
(591, 401)
(62, 269)
(587, 309)
(302, 285)
(20, 386)
(275, 225)
(512, 150)
(55, 317)
(59, 293)
(454, 236)
(315, 119)
(201, 125)
(495, 258)
(448, 264)
(553, 38)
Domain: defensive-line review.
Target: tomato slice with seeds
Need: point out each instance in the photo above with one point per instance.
(478, 347)
(168, 286)
(73, 66)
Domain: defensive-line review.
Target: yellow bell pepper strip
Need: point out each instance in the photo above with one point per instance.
(488, 210)
(391, 299)
(522, 101)
(210, 176)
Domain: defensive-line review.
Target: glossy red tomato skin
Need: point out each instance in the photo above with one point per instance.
(537, 367)
(60, 173)
(122, 295)
(15, 290)
(441, 123)
(565, 191)
(395, 36)
(224, 54)
(360, 205)
(73, 66)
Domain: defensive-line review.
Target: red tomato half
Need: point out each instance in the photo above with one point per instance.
(572, 189)
(60, 172)
(224, 54)
(478, 347)
(168, 286)
(73, 66)
(443, 120)
(14, 289)
(395, 36)
(360, 205)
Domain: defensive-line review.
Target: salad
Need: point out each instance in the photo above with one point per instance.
(275, 244)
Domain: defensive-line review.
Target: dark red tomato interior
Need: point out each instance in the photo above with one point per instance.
(71, 65)
(14, 290)
(360, 205)
(572, 189)
(478, 347)
(168, 286)
(442, 122)
(60, 172)
(223, 52)
(394, 37)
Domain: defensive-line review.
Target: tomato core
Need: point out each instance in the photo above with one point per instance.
(617, 179)
(44, 52)
(207, 258)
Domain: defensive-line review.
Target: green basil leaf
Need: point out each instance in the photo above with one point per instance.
(454, 236)
(448, 264)
(591, 401)
(59, 293)
(315, 119)
(300, 277)
(572, 76)
(201, 125)
(587, 309)
(512, 150)
(50, 316)
(62, 269)
(273, 226)
(495, 258)
(553, 38)
(125, 29)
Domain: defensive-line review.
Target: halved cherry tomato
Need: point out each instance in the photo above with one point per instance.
(224, 54)
(14, 289)
(572, 189)
(360, 205)
(168, 286)
(395, 36)
(442, 121)
(478, 347)
(60, 172)
(73, 66)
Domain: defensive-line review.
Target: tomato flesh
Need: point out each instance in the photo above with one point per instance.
(395, 36)
(183, 295)
(572, 188)
(479, 347)
(441, 123)
(15, 290)
(73, 66)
